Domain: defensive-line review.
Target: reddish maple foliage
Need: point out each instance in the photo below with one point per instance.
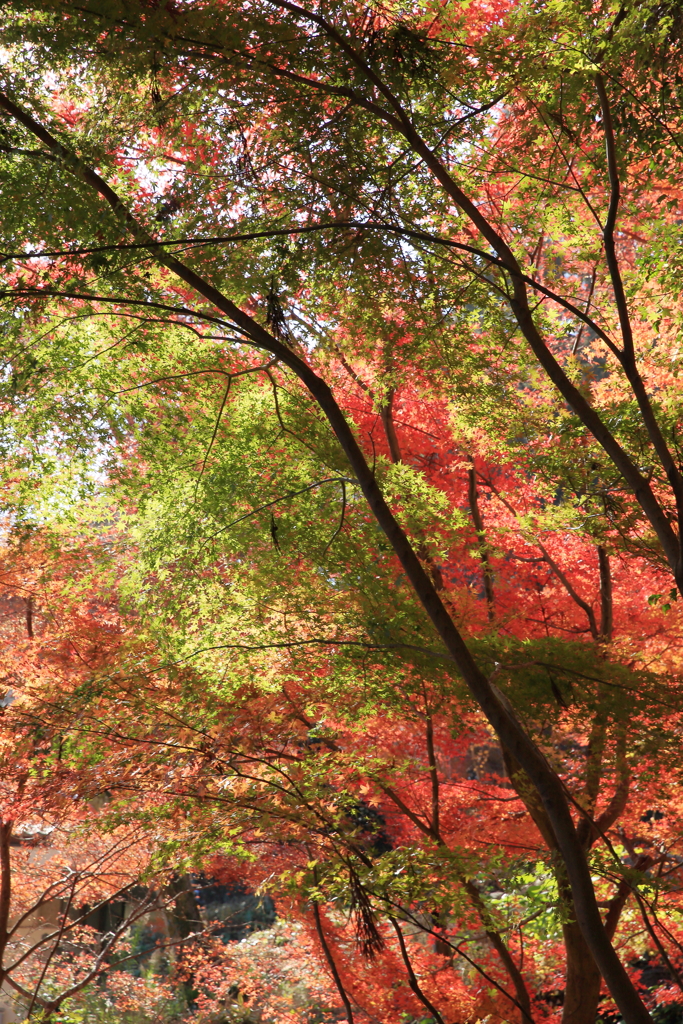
(375, 608)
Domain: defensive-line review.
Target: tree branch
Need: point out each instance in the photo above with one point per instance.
(503, 719)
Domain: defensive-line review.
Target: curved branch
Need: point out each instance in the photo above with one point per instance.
(413, 234)
(331, 964)
(610, 222)
(502, 717)
(412, 980)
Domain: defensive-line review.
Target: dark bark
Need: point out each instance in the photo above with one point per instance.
(618, 901)
(434, 778)
(387, 416)
(332, 965)
(675, 974)
(412, 980)
(547, 557)
(582, 977)
(475, 511)
(617, 804)
(497, 710)
(5, 890)
(443, 947)
(185, 918)
(395, 116)
(496, 940)
(606, 603)
(582, 980)
(628, 355)
(593, 778)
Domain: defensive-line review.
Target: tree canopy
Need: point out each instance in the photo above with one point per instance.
(342, 481)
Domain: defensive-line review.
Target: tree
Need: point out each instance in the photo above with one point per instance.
(74, 884)
(273, 786)
(392, 234)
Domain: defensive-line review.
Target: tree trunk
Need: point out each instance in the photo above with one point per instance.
(495, 706)
(583, 979)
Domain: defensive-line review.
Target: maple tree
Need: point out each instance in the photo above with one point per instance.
(74, 885)
(448, 494)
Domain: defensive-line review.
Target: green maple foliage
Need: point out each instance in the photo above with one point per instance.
(350, 335)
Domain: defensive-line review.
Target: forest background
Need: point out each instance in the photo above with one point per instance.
(342, 501)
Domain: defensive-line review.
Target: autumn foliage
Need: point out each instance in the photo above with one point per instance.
(343, 503)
